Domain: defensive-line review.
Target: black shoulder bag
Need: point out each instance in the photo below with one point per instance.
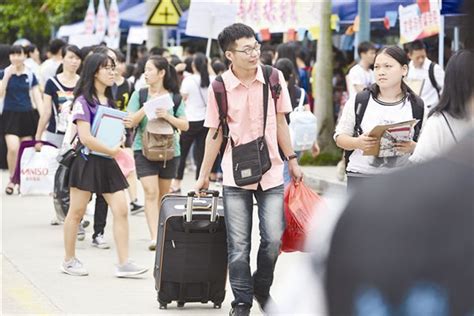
(251, 160)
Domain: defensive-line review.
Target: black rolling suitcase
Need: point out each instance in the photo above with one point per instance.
(191, 250)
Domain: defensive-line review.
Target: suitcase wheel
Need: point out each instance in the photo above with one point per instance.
(180, 304)
(217, 305)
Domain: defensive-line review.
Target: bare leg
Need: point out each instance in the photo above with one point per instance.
(132, 186)
(13, 145)
(77, 207)
(164, 188)
(118, 203)
(151, 189)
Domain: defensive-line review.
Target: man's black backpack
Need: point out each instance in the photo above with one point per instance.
(271, 77)
(361, 102)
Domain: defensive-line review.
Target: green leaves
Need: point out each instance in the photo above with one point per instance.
(34, 19)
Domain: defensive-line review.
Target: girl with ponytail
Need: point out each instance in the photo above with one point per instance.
(194, 92)
(390, 101)
(156, 176)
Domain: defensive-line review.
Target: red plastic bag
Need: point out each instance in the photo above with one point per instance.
(300, 205)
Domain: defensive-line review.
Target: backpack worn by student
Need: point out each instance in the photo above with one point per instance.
(158, 135)
(271, 76)
(361, 102)
(432, 77)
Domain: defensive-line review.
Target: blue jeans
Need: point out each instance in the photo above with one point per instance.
(238, 206)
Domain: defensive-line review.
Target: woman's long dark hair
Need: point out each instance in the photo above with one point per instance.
(286, 67)
(402, 58)
(289, 50)
(200, 62)
(170, 81)
(458, 86)
(85, 86)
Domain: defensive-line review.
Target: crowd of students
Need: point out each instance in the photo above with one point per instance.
(39, 102)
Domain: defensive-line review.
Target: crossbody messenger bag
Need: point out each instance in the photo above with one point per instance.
(251, 160)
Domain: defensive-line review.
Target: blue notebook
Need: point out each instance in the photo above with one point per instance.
(108, 127)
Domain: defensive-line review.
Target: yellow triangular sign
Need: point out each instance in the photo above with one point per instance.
(165, 13)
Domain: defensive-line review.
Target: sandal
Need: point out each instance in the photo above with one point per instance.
(10, 188)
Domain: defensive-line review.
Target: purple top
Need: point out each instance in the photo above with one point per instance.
(83, 111)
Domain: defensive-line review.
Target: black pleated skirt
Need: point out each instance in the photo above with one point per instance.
(96, 174)
(21, 124)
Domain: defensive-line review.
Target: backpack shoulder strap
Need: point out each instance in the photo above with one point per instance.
(433, 78)
(56, 83)
(221, 98)
(271, 76)
(142, 96)
(418, 112)
(361, 101)
(220, 94)
(177, 102)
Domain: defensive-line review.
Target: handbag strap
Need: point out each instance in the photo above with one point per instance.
(449, 126)
(60, 88)
(301, 101)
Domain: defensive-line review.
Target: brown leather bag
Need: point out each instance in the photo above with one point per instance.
(158, 140)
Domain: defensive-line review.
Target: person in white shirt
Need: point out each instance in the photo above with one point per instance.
(390, 101)
(361, 76)
(194, 89)
(420, 71)
(452, 118)
(50, 66)
(33, 61)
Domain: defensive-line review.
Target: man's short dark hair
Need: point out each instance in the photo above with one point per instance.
(416, 45)
(56, 45)
(232, 33)
(364, 47)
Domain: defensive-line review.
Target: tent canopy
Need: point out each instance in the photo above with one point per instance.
(347, 9)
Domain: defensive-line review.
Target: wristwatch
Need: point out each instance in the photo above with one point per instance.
(294, 156)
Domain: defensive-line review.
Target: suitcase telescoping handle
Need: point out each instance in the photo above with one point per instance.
(206, 193)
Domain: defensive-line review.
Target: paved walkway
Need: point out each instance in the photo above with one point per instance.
(32, 250)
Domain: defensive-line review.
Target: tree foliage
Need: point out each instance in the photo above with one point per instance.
(35, 19)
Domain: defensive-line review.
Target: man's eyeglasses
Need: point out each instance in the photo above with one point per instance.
(249, 50)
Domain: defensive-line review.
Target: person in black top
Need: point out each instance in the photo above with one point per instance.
(58, 96)
(18, 86)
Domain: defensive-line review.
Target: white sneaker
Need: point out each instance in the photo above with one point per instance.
(129, 269)
(99, 242)
(74, 267)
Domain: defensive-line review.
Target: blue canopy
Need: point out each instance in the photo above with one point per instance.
(347, 9)
(135, 15)
(134, 12)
